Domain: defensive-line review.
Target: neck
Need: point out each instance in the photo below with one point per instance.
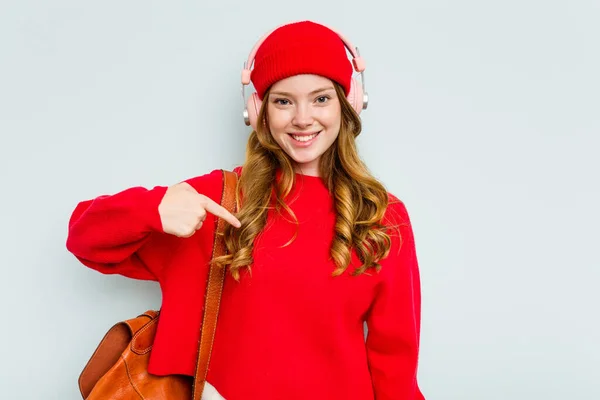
(308, 169)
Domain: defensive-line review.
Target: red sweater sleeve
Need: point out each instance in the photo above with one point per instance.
(109, 232)
(394, 319)
(122, 233)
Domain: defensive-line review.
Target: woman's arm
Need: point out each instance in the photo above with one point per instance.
(123, 233)
(107, 232)
(394, 320)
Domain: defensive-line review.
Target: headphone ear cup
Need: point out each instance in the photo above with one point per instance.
(253, 108)
(355, 97)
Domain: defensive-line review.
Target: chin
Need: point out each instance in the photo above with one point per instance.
(304, 160)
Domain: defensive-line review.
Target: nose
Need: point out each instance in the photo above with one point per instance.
(303, 116)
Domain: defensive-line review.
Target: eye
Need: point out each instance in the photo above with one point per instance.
(322, 99)
(281, 102)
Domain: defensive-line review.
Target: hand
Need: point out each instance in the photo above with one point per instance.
(183, 210)
(210, 393)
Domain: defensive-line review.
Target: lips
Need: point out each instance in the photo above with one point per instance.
(304, 137)
(303, 133)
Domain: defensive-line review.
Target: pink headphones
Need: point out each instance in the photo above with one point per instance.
(357, 96)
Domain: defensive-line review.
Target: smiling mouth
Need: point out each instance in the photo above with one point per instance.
(304, 138)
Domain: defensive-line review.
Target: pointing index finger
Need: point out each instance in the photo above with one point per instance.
(221, 212)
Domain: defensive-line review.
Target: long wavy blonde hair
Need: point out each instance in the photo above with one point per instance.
(360, 200)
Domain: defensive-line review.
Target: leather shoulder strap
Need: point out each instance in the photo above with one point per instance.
(214, 288)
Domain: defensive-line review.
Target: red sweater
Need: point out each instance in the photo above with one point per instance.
(289, 331)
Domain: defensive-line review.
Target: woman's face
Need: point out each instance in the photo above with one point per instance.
(304, 115)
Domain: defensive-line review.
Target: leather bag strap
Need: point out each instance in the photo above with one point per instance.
(214, 288)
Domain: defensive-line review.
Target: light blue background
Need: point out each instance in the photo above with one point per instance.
(484, 118)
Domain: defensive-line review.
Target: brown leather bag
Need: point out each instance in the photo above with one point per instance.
(118, 369)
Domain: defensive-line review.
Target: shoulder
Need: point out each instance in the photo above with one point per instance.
(396, 212)
(398, 222)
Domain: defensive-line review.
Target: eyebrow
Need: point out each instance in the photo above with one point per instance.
(311, 93)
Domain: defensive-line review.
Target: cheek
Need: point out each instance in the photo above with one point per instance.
(277, 119)
(333, 118)
(338, 122)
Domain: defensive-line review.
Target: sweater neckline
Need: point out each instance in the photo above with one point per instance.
(308, 191)
(301, 178)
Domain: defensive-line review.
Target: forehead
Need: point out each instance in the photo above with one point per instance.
(302, 84)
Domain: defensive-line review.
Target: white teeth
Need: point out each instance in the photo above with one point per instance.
(304, 138)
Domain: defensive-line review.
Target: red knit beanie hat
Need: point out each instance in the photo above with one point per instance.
(301, 48)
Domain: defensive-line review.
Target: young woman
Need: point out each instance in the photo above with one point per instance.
(317, 248)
